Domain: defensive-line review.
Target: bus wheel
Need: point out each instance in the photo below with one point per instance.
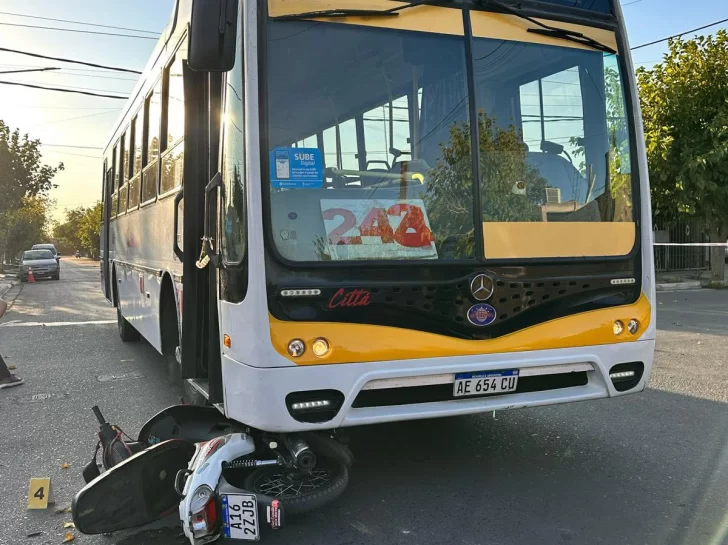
(126, 330)
(301, 492)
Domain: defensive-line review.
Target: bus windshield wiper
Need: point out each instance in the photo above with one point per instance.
(548, 30)
(348, 12)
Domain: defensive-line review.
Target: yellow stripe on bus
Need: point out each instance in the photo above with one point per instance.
(355, 343)
(520, 240)
(442, 20)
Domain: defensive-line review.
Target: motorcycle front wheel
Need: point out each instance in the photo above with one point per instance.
(301, 492)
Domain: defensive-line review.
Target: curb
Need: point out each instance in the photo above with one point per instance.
(6, 288)
(673, 286)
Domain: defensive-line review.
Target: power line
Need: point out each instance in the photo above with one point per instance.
(71, 87)
(65, 69)
(36, 107)
(77, 22)
(76, 117)
(678, 35)
(28, 70)
(97, 157)
(80, 31)
(623, 5)
(70, 146)
(58, 89)
(64, 73)
(93, 65)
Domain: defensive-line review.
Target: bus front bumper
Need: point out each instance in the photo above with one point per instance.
(389, 391)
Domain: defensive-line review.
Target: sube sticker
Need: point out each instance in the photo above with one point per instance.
(296, 168)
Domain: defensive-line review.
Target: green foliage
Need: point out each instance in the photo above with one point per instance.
(81, 230)
(24, 186)
(503, 165)
(21, 172)
(25, 225)
(684, 103)
(91, 230)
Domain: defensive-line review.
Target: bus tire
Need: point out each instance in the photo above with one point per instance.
(126, 330)
(264, 479)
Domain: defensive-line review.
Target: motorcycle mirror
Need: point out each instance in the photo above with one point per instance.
(133, 493)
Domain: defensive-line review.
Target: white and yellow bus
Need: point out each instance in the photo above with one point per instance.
(332, 214)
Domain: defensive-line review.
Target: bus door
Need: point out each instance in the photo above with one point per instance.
(200, 347)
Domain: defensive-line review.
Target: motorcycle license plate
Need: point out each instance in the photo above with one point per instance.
(240, 517)
(485, 382)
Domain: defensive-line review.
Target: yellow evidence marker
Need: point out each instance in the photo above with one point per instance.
(39, 493)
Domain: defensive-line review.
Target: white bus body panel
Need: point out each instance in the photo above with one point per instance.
(143, 256)
(256, 396)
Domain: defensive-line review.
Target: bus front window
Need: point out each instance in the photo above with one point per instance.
(369, 141)
(380, 118)
(554, 144)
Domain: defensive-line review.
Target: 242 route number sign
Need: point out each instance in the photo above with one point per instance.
(377, 229)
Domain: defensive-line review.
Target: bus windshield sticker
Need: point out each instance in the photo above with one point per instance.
(296, 168)
(377, 229)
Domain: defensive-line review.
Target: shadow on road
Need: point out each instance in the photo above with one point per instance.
(647, 469)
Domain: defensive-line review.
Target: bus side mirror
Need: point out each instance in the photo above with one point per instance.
(212, 35)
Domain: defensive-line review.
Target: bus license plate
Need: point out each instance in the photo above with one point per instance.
(485, 382)
(240, 517)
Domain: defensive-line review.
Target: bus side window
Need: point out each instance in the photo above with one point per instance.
(153, 120)
(233, 162)
(135, 157)
(124, 173)
(114, 183)
(173, 112)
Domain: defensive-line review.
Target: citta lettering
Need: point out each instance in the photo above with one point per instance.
(353, 298)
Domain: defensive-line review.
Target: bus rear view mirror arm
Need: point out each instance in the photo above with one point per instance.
(212, 35)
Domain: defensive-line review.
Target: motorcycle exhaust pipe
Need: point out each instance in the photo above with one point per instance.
(301, 454)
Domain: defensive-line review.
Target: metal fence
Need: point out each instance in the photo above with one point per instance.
(681, 258)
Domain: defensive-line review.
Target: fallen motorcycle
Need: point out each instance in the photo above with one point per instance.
(223, 480)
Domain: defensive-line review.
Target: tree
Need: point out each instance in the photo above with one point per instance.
(21, 172)
(26, 225)
(81, 230)
(90, 233)
(24, 183)
(511, 189)
(69, 232)
(685, 110)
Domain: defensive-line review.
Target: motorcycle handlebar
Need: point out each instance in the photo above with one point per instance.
(98, 414)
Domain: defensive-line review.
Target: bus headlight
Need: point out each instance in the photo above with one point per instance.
(320, 347)
(618, 327)
(296, 348)
(633, 326)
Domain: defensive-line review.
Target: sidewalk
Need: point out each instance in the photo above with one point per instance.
(7, 281)
(686, 280)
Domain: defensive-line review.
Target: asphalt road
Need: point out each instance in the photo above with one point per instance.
(647, 469)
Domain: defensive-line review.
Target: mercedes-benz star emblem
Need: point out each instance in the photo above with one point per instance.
(482, 287)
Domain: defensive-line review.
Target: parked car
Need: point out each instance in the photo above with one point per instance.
(50, 247)
(43, 263)
(78, 254)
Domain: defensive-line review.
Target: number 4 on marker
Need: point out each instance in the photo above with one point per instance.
(39, 493)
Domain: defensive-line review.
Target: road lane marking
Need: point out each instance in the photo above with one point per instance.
(56, 324)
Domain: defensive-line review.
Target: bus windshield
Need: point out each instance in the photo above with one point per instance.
(370, 145)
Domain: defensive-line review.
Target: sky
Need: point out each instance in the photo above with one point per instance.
(60, 119)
